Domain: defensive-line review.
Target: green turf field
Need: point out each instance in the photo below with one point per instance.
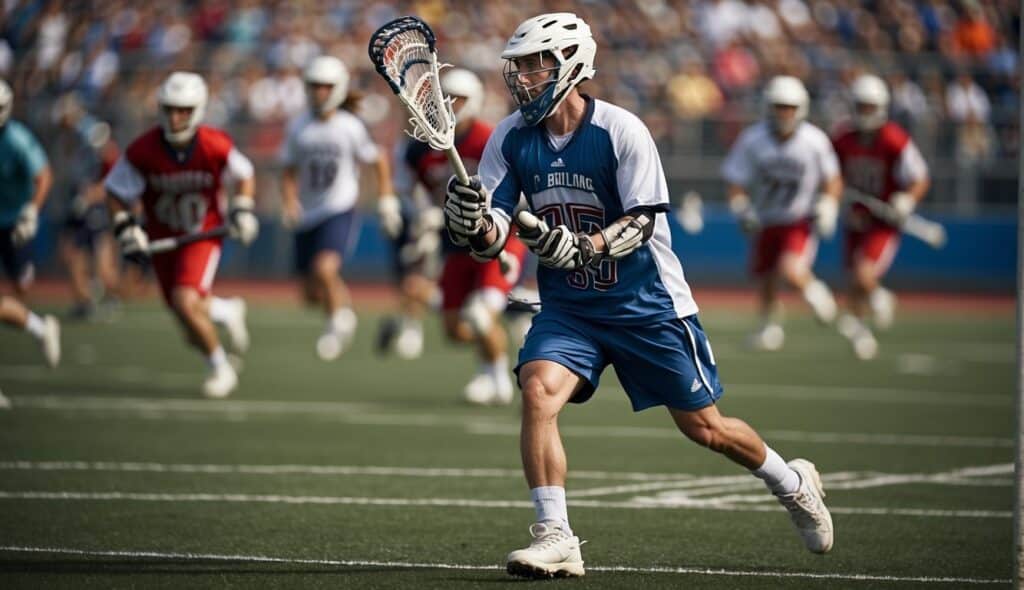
(368, 473)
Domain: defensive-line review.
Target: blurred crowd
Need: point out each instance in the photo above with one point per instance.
(692, 68)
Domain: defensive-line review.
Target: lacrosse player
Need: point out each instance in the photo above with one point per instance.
(789, 166)
(25, 181)
(473, 293)
(612, 290)
(320, 186)
(879, 159)
(176, 172)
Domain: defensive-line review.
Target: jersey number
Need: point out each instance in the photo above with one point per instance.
(181, 212)
(779, 192)
(590, 220)
(322, 173)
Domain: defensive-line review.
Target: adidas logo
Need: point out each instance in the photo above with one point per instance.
(558, 163)
(695, 387)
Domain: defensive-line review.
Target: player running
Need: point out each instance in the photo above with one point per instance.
(473, 293)
(175, 173)
(880, 160)
(25, 181)
(320, 186)
(612, 290)
(789, 166)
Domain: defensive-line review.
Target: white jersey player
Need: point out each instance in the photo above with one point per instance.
(784, 186)
(320, 186)
(611, 287)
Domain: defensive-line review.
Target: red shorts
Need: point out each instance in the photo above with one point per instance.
(877, 244)
(462, 275)
(193, 265)
(775, 240)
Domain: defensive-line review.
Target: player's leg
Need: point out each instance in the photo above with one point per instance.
(800, 248)
(671, 364)
(231, 312)
(480, 316)
(341, 320)
(869, 255)
(45, 329)
(764, 260)
(186, 277)
(17, 263)
(76, 261)
(559, 362)
(417, 293)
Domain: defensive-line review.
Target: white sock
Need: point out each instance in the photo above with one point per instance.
(779, 477)
(221, 309)
(410, 323)
(343, 321)
(217, 358)
(35, 326)
(497, 368)
(549, 503)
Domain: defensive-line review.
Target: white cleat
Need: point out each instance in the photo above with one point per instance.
(50, 342)
(409, 344)
(769, 338)
(329, 346)
(5, 404)
(553, 553)
(221, 381)
(865, 347)
(807, 509)
(481, 390)
(504, 391)
(235, 325)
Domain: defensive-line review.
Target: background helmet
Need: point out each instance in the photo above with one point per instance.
(868, 89)
(464, 83)
(788, 91)
(183, 90)
(564, 37)
(330, 71)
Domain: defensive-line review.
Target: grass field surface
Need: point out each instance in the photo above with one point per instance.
(369, 473)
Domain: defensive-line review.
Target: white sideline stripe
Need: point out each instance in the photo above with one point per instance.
(321, 470)
(639, 504)
(456, 566)
(350, 413)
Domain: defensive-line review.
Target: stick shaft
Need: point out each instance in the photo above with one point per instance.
(173, 243)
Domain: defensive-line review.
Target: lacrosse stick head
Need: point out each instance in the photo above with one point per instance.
(404, 54)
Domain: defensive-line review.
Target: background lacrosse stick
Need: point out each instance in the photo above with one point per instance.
(404, 54)
(929, 232)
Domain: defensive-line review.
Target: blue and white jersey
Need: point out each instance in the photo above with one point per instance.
(607, 168)
(21, 160)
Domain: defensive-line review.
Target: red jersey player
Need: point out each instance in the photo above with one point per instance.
(175, 171)
(473, 294)
(878, 159)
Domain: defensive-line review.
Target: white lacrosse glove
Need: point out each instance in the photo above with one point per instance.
(464, 209)
(826, 216)
(389, 208)
(242, 222)
(746, 214)
(26, 226)
(131, 239)
(902, 206)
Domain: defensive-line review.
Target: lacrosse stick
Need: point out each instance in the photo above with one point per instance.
(404, 53)
(173, 243)
(929, 232)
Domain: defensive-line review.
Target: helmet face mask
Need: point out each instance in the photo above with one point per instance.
(329, 71)
(546, 57)
(182, 91)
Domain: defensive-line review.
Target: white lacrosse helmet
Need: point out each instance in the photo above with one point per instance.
(787, 91)
(566, 38)
(464, 83)
(183, 90)
(870, 90)
(6, 102)
(329, 71)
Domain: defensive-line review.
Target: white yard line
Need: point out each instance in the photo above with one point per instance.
(638, 504)
(688, 570)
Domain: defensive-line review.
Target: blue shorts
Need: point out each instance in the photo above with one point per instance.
(668, 363)
(85, 229)
(337, 233)
(17, 261)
